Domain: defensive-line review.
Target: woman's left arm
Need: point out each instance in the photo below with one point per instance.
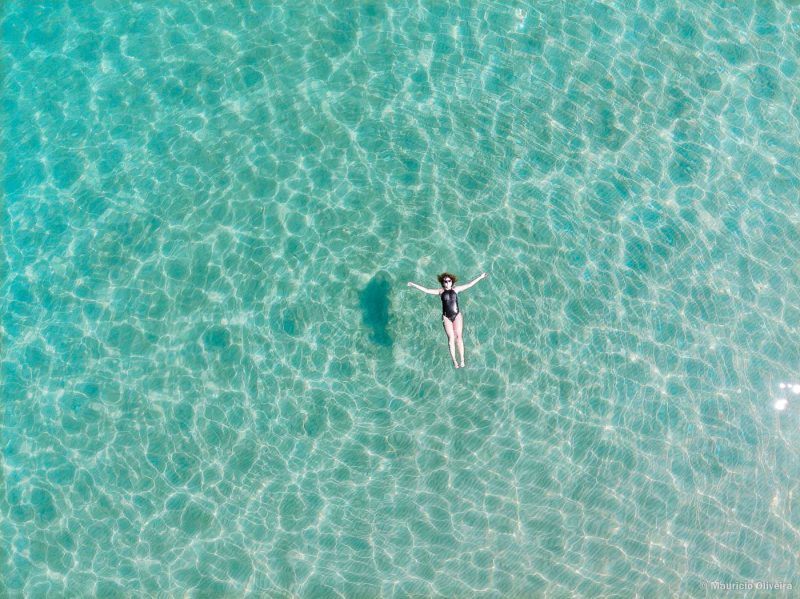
(460, 288)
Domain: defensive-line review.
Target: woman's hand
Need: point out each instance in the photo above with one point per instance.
(410, 284)
(484, 275)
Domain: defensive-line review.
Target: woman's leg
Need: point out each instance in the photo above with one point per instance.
(458, 328)
(451, 338)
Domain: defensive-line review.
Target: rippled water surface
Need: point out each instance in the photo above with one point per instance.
(216, 382)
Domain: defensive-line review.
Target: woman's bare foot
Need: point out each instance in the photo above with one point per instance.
(455, 364)
(462, 363)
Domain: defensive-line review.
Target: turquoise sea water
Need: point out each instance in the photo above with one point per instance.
(215, 381)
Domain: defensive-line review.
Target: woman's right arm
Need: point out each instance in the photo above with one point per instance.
(423, 289)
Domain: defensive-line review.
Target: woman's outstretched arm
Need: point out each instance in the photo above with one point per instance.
(460, 288)
(424, 289)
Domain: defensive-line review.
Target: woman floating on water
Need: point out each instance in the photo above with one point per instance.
(452, 319)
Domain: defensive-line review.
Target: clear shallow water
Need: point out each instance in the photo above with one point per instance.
(215, 381)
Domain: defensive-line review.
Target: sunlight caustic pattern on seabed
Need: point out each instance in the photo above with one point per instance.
(214, 380)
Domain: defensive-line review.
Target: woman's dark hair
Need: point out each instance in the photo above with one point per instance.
(447, 275)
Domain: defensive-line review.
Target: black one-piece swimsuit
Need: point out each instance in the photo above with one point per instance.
(450, 304)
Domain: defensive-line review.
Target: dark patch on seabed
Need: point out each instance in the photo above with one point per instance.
(375, 304)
